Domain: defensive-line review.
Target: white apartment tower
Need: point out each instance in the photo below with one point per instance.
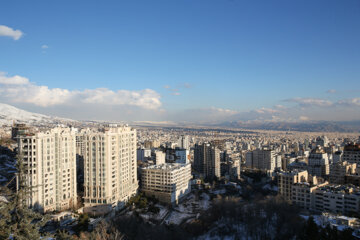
(183, 142)
(110, 166)
(159, 157)
(50, 157)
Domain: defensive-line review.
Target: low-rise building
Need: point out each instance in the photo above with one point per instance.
(302, 192)
(344, 199)
(168, 182)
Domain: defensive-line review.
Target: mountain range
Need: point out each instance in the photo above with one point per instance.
(10, 114)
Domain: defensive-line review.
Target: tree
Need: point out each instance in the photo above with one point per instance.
(16, 219)
(83, 223)
(311, 230)
(62, 235)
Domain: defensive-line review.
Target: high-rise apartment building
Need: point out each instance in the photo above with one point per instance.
(322, 141)
(159, 157)
(110, 166)
(263, 159)
(182, 156)
(50, 157)
(339, 170)
(207, 160)
(183, 142)
(352, 153)
(318, 163)
(168, 182)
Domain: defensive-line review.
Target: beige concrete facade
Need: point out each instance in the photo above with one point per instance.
(339, 170)
(50, 157)
(167, 182)
(110, 166)
(287, 179)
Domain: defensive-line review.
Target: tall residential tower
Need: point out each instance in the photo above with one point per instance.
(50, 157)
(207, 160)
(110, 167)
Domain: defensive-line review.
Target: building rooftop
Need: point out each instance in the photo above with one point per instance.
(166, 166)
(348, 188)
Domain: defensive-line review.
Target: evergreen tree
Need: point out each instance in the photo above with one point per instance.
(63, 235)
(16, 219)
(311, 230)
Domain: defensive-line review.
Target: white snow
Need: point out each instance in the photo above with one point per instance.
(177, 217)
(272, 188)
(8, 114)
(220, 191)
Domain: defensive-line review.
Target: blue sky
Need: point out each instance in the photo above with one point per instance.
(198, 59)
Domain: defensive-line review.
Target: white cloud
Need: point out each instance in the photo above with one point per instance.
(9, 32)
(281, 107)
(331, 91)
(14, 80)
(18, 89)
(223, 111)
(353, 102)
(308, 102)
(304, 118)
(266, 110)
(44, 46)
(187, 85)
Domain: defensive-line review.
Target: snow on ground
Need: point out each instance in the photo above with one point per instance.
(322, 221)
(159, 216)
(272, 188)
(163, 211)
(219, 191)
(9, 113)
(177, 217)
(205, 202)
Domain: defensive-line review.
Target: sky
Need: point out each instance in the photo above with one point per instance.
(182, 60)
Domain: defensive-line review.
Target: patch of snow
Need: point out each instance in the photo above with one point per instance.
(219, 191)
(271, 188)
(177, 217)
(8, 114)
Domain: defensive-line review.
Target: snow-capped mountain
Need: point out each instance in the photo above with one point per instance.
(9, 114)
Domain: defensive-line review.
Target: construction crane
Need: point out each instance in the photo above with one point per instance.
(10, 181)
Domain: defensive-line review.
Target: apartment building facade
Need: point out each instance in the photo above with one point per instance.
(339, 170)
(50, 159)
(286, 180)
(207, 160)
(168, 182)
(110, 166)
(351, 153)
(266, 160)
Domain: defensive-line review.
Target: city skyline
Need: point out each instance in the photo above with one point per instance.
(195, 61)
